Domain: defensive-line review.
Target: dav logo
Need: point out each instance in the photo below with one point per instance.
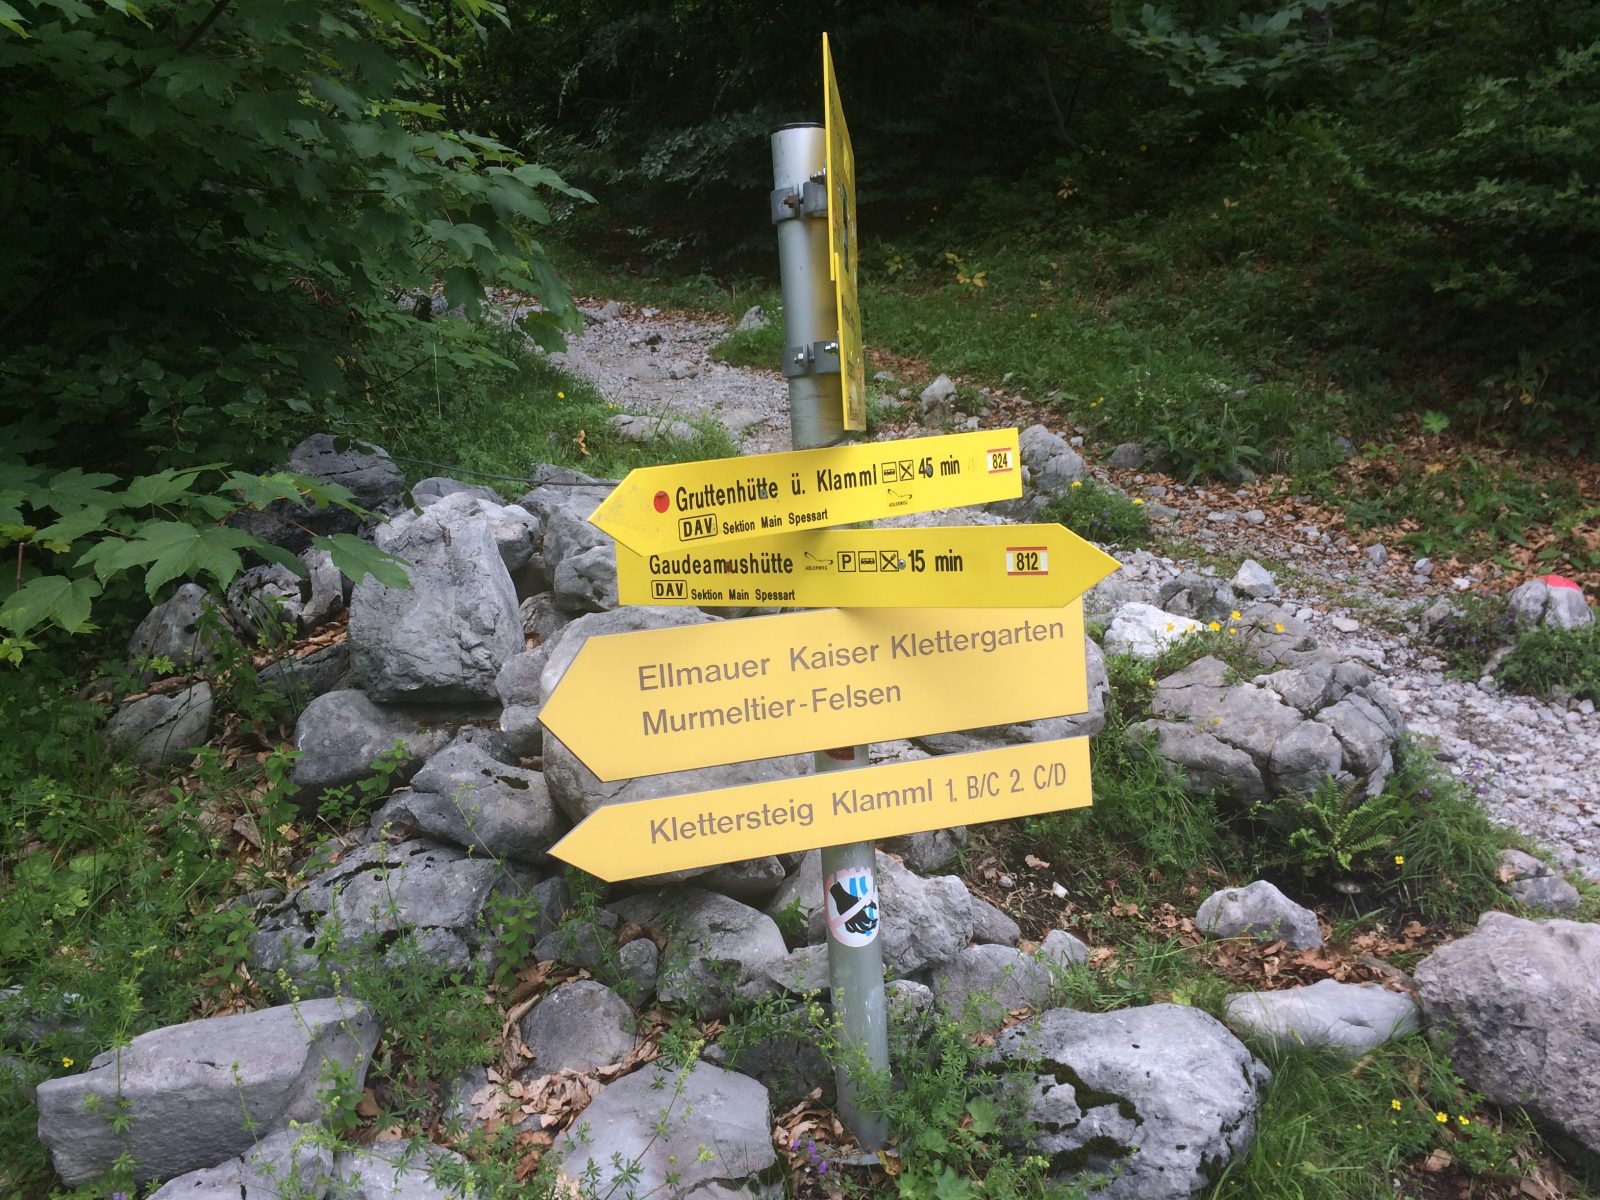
(669, 589)
(692, 529)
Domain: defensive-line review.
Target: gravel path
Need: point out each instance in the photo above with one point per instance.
(1530, 761)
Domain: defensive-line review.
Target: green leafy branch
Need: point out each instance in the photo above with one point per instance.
(73, 534)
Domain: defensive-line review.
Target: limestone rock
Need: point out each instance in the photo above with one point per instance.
(1516, 1005)
(1254, 580)
(1260, 911)
(411, 898)
(1552, 601)
(186, 1089)
(577, 1027)
(287, 1163)
(1349, 1017)
(716, 951)
(162, 730)
(445, 637)
(1144, 630)
(644, 1119)
(373, 480)
(986, 982)
(466, 796)
(341, 734)
(179, 631)
(1158, 1100)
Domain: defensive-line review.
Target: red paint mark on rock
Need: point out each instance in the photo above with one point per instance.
(1559, 581)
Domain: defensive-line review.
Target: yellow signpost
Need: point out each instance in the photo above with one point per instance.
(726, 499)
(702, 829)
(659, 700)
(841, 162)
(976, 566)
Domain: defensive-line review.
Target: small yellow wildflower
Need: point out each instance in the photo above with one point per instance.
(1464, 1121)
(1442, 1118)
(1033, 316)
(1077, 483)
(1151, 681)
(1395, 1104)
(1233, 631)
(1235, 615)
(1278, 625)
(1214, 627)
(66, 1062)
(1399, 860)
(1137, 500)
(1169, 626)
(561, 395)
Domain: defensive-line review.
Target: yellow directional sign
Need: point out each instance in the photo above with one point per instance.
(661, 700)
(725, 499)
(841, 164)
(979, 566)
(702, 829)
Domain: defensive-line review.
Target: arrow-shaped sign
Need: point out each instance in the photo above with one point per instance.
(679, 833)
(725, 499)
(633, 704)
(974, 566)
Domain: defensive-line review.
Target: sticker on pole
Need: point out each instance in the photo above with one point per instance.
(852, 907)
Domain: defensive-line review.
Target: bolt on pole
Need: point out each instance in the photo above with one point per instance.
(816, 418)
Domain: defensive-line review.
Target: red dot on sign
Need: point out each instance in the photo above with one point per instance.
(1558, 581)
(663, 502)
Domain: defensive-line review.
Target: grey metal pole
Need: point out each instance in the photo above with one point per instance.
(816, 417)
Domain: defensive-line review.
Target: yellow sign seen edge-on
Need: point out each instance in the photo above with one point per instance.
(702, 829)
(660, 700)
(842, 246)
(728, 499)
(967, 566)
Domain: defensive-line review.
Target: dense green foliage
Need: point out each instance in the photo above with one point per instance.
(214, 208)
(1394, 192)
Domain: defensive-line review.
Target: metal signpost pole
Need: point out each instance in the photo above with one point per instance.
(816, 415)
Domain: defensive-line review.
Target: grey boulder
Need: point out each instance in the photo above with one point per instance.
(717, 949)
(1258, 911)
(1254, 580)
(367, 471)
(1347, 1017)
(447, 635)
(300, 680)
(984, 983)
(1516, 1006)
(400, 1171)
(179, 631)
(467, 796)
(341, 734)
(289, 1163)
(410, 900)
(1279, 734)
(577, 1027)
(162, 730)
(1550, 601)
(707, 1130)
(1156, 1101)
(199, 1093)
(266, 600)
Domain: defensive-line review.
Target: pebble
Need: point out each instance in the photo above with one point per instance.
(1344, 624)
(1253, 516)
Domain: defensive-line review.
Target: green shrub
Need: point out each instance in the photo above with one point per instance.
(1545, 661)
(1101, 514)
